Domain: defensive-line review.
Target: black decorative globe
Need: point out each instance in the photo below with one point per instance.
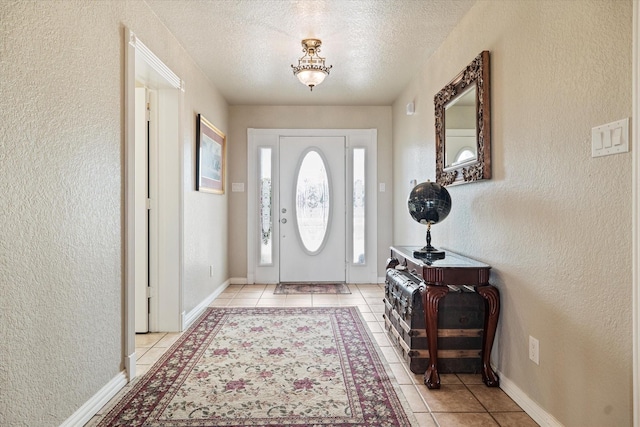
(429, 203)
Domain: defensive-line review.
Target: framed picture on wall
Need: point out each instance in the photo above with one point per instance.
(210, 157)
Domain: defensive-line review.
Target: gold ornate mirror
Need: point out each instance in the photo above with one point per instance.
(463, 126)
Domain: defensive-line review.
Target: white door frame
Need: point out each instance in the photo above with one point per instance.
(635, 148)
(146, 148)
(355, 138)
(142, 65)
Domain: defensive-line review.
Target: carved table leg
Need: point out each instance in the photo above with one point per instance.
(392, 262)
(430, 299)
(492, 311)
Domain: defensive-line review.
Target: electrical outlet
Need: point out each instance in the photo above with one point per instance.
(534, 350)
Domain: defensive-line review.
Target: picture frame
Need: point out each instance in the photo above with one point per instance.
(210, 157)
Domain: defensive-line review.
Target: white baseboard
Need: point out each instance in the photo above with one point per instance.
(529, 406)
(190, 317)
(93, 405)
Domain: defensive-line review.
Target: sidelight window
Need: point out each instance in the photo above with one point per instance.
(266, 206)
(358, 219)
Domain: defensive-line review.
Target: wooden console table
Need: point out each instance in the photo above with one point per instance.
(455, 270)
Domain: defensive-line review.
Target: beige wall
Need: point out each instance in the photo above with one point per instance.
(295, 117)
(554, 223)
(61, 204)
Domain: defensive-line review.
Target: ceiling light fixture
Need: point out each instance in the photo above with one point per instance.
(311, 70)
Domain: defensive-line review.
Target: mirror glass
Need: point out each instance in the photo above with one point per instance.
(463, 126)
(460, 130)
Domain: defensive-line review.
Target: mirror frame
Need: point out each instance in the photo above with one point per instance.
(476, 73)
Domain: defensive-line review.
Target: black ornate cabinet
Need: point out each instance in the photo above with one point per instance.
(455, 332)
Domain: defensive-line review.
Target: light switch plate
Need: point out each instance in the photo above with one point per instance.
(237, 187)
(612, 138)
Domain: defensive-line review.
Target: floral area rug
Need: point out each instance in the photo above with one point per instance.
(267, 367)
(311, 288)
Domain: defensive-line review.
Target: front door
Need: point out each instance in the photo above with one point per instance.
(312, 209)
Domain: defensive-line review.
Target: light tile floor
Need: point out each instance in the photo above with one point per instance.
(463, 400)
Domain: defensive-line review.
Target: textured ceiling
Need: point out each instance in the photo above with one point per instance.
(246, 47)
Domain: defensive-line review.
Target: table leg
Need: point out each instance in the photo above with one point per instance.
(492, 311)
(431, 296)
(392, 262)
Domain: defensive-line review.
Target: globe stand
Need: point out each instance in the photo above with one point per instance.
(429, 252)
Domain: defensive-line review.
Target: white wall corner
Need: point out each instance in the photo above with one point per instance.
(635, 145)
(93, 405)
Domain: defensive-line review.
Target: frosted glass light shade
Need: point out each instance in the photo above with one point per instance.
(311, 77)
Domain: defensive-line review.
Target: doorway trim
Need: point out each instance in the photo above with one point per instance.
(143, 65)
(270, 138)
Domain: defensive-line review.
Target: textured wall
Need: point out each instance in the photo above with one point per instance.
(554, 223)
(61, 203)
(205, 214)
(61, 226)
(280, 117)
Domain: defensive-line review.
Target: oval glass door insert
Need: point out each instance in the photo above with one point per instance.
(312, 201)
